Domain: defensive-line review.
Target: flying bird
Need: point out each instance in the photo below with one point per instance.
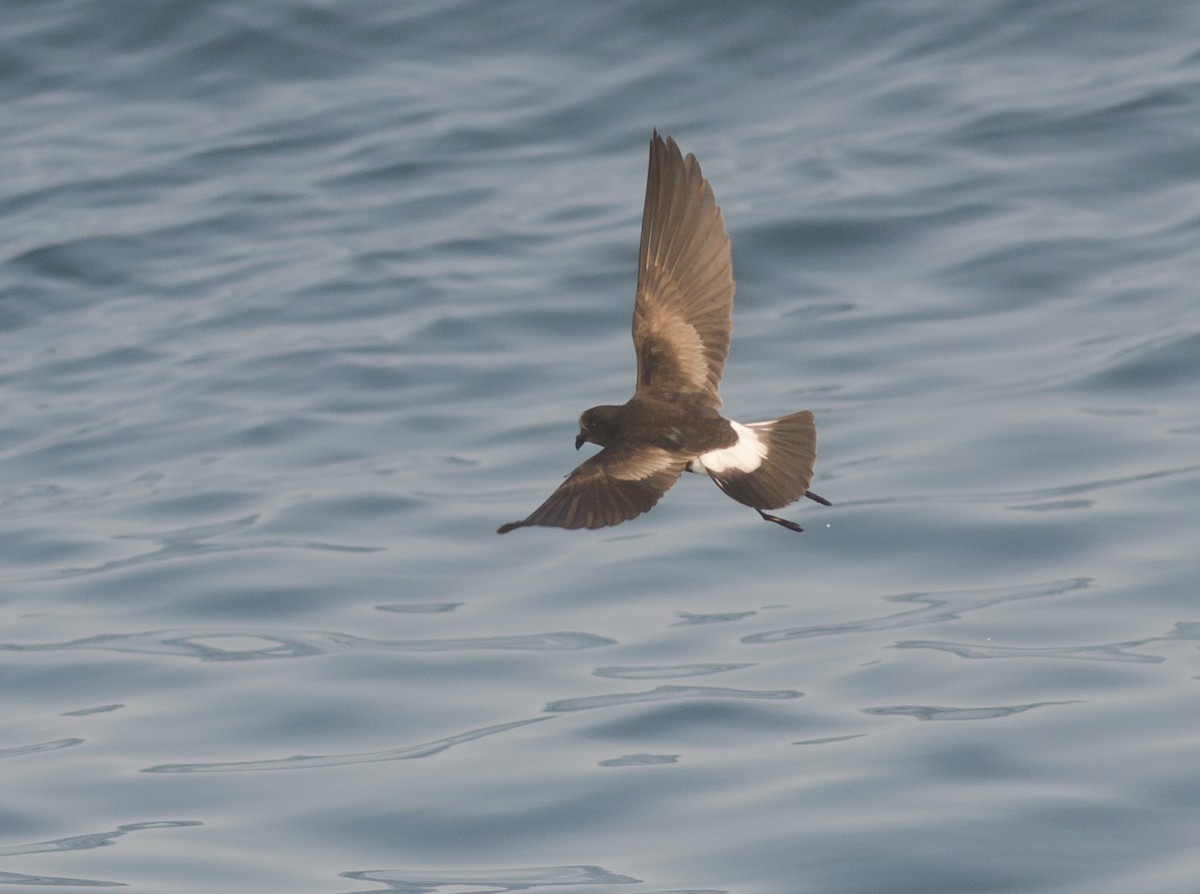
(682, 319)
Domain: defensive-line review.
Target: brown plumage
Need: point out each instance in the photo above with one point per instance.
(683, 314)
(682, 320)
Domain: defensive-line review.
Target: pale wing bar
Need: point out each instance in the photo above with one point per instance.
(615, 485)
(683, 314)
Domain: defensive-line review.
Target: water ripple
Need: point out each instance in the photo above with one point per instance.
(1183, 630)
(411, 881)
(52, 745)
(934, 712)
(828, 740)
(640, 760)
(664, 693)
(319, 761)
(55, 881)
(1081, 487)
(936, 607)
(90, 839)
(1110, 652)
(77, 843)
(667, 672)
(194, 541)
(98, 709)
(688, 619)
(420, 608)
(256, 645)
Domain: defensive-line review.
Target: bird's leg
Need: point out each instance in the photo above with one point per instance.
(819, 499)
(790, 525)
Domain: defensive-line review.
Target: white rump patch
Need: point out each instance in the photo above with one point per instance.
(744, 456)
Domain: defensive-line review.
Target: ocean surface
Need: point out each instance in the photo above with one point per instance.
(299, 301)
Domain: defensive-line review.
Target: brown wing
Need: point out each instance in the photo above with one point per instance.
(616, 484)
(684, 309)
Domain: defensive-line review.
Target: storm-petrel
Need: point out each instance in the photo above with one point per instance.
(681, 323)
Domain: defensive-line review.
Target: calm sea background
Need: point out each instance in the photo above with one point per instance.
(300, 300)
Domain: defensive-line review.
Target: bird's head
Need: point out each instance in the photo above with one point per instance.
(598, 426)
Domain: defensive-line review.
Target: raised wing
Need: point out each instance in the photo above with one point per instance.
(616, 484)
(684, 310)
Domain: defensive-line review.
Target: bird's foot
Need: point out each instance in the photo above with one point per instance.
(790, 525)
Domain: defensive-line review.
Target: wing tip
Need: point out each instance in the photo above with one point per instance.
(665, 143)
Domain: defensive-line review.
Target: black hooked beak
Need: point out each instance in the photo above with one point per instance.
(580, 439)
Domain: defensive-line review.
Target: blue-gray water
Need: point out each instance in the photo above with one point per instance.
(299, 301)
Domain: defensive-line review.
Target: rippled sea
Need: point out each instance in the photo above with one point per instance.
(299, 301)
